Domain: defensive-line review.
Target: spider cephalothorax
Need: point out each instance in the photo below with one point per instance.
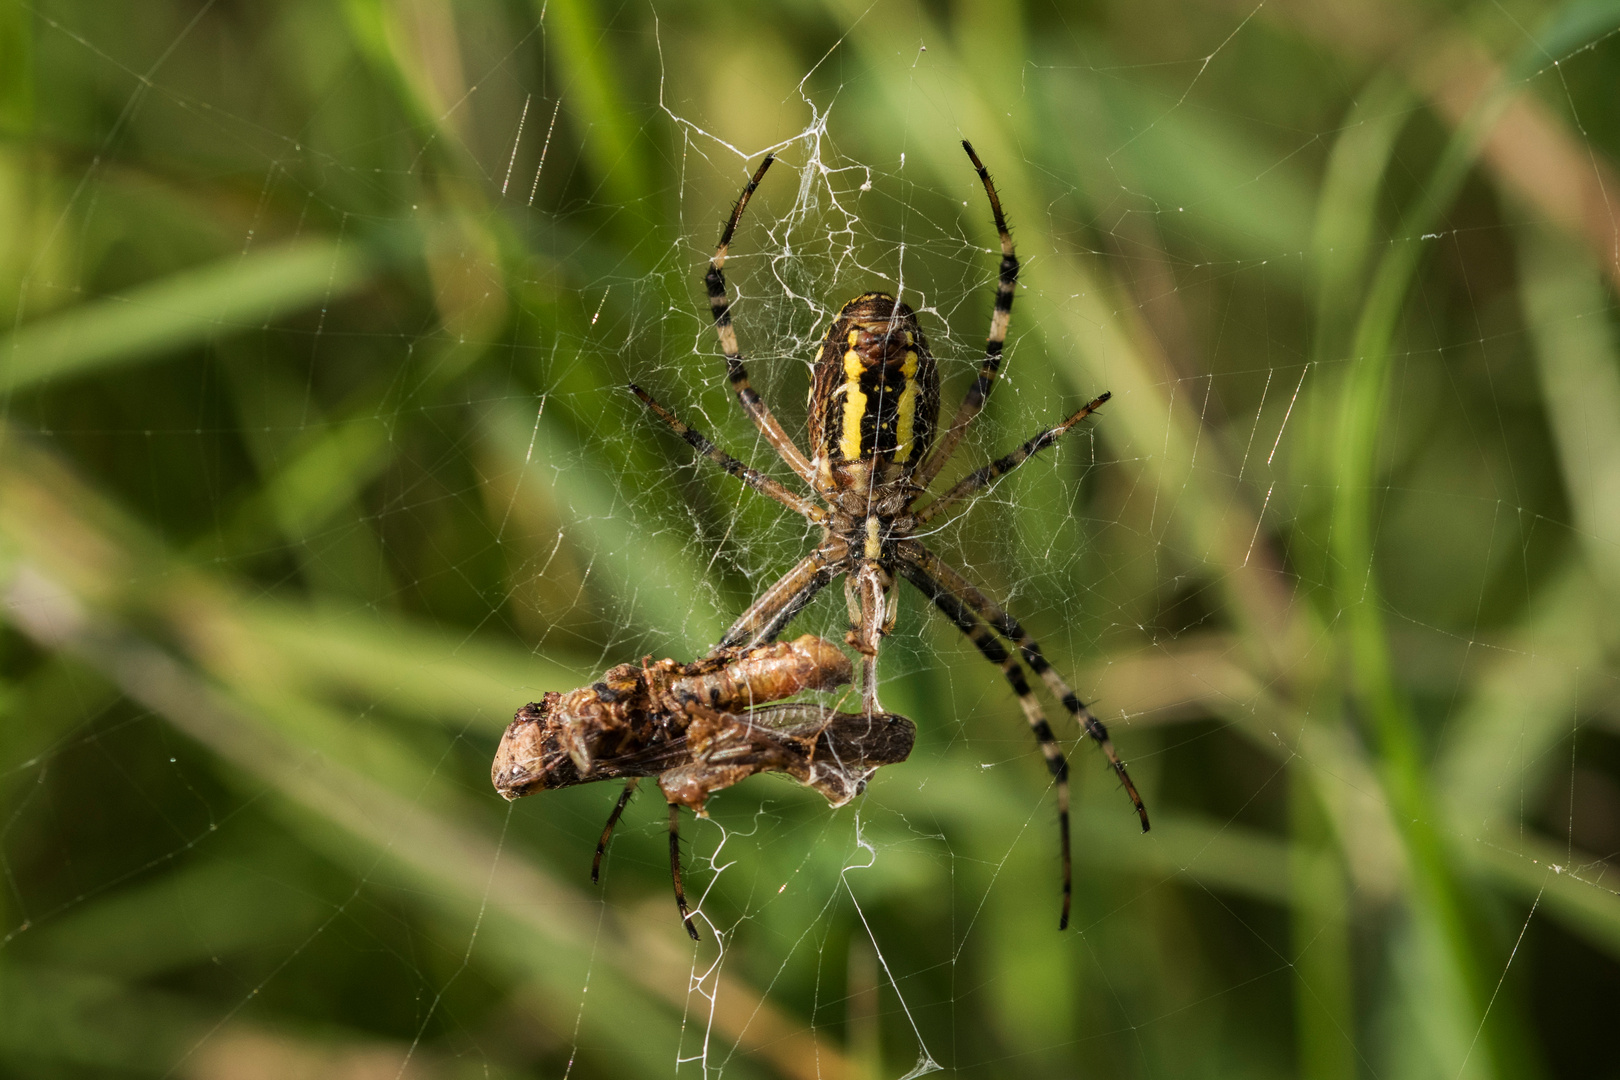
(874, 410)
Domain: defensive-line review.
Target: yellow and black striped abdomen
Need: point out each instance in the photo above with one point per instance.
(875, 392)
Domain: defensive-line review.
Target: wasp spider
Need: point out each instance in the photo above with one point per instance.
(874, 406)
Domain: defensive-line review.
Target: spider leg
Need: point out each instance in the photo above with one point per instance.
(777, 605)
(979, 392)
(1008, 627)
(973, 626)
(752, 477)
(926, 561)
(675, 868)
(607, 830)
(720, 306)
(871, 617)
(983, 476)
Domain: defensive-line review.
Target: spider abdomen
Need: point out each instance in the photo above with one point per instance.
(874, 395)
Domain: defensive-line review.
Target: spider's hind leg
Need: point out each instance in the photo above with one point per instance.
(974, 627)
(752, 477)
(930, 568)
(767, 616)
(1082, 716)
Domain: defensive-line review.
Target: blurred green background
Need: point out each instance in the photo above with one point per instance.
(315, 465)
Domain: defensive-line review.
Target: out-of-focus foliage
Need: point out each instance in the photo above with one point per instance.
(315, 465)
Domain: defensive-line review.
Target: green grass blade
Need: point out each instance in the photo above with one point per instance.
(411, 669)
(1442, 918)
(1525, 696)
(1566, 308)
(1347, 209)
(576, 41)
(239, 294)
(650, 574)
(16, 70)
(1320, 912)
(1209, 177)
(196, 915)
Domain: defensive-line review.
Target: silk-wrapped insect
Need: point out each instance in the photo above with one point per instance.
(701, 727)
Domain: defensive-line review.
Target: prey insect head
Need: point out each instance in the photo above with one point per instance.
(532, 756)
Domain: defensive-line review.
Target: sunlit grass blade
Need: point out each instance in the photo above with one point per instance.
(239, 294)
(986, 806)
(197, 914)
(576, 42)
(1347, 210)
(1527, 695)
(1565, 308)
(414, 48)
(326, 476)
(411, 669)
(1205, 178)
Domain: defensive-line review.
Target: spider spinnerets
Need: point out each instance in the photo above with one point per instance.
(874, 407)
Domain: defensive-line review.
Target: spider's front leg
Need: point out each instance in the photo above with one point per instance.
(720, 307)
(777, 605)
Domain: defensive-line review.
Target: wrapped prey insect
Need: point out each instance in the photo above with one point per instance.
(701, 727)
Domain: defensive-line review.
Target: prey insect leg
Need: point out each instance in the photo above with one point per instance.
(675, 868)
(607, 830)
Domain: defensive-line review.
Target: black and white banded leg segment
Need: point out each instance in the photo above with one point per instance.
(750, 476)
(1000, 318)
(714, 281)
(978, 632)
(1008, 627)
(987, 474)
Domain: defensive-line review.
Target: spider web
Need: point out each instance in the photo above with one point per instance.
(317, 465)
